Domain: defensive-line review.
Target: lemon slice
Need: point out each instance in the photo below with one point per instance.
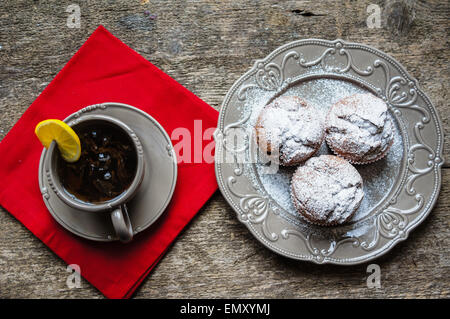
(66, 138)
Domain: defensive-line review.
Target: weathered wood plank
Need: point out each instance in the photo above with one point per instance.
(206, 45)
(217, 257)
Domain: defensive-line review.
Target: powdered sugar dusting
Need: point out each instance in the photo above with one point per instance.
(378, 177)
(359, 128)
(328, 189)
(293, 126)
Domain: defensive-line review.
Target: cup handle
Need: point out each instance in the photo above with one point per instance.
(121, 223)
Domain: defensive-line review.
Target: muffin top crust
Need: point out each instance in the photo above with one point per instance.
(359, 128)
(327, 190)
(291, 127)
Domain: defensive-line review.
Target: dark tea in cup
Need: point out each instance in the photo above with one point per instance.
(106, 167)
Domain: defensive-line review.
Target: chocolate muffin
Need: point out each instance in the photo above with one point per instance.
(290, 128)
(359, 128)
(326, 190)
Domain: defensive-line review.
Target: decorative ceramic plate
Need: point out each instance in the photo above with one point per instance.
(400, 189)
(153, 195)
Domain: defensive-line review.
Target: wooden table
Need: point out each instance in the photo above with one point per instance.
(206, 45)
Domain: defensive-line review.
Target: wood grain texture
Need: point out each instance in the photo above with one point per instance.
(206, 46)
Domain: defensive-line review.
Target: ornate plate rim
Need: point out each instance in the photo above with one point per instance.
(438, 159)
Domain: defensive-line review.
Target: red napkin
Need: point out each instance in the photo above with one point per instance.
(106, 70)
